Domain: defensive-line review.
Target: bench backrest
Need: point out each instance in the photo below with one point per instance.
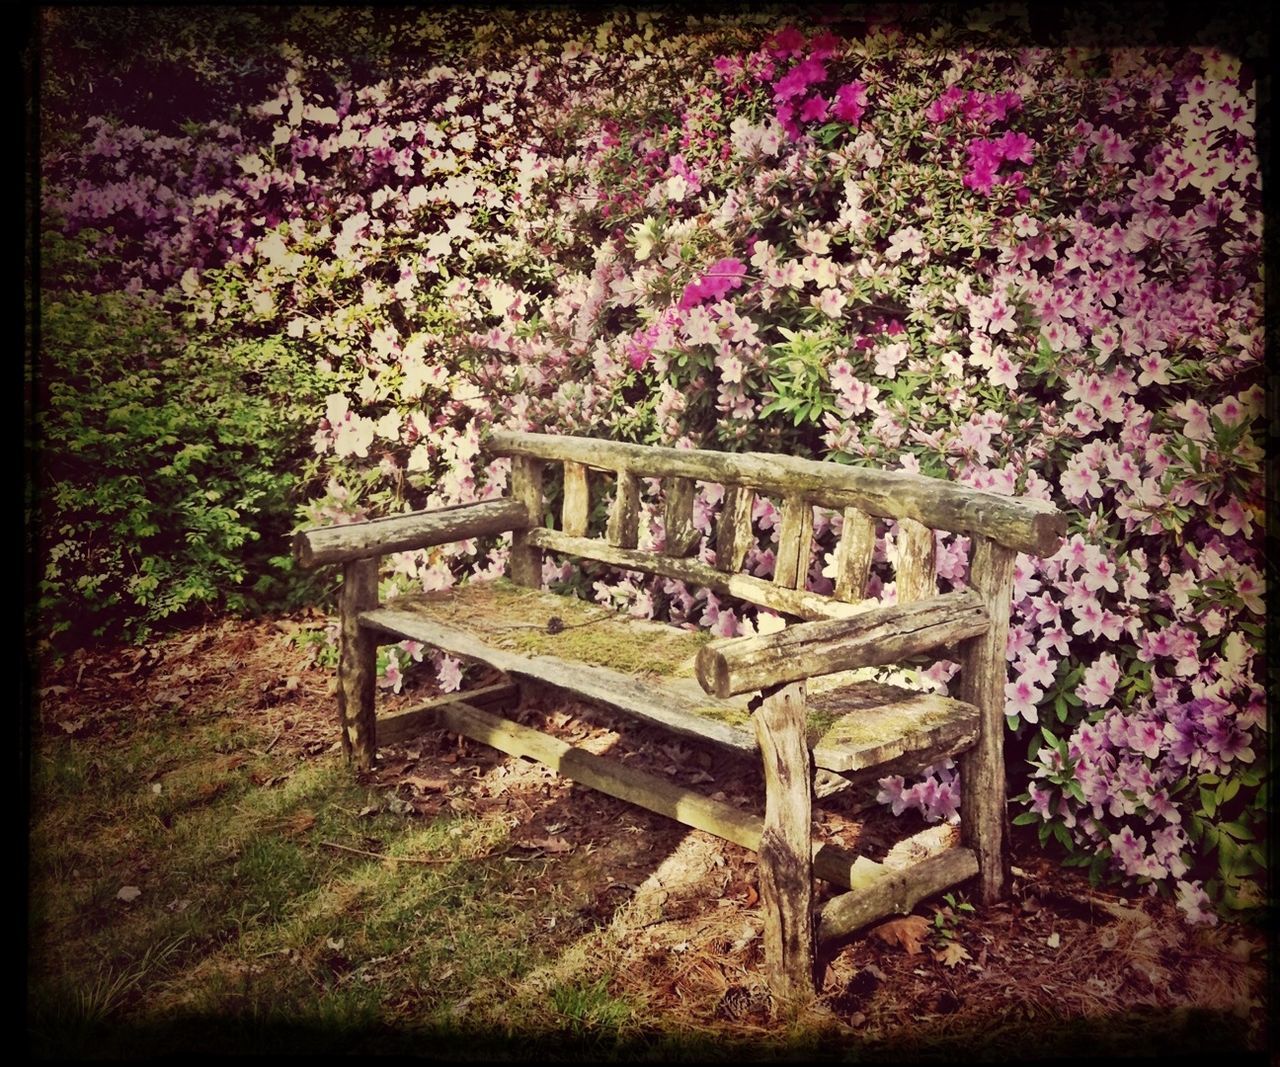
(919, 504)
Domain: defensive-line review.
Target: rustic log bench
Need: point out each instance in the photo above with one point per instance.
(787, 694)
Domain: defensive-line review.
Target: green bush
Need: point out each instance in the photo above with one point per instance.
(167, 472)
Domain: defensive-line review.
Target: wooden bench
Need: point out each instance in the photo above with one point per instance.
(787, 694)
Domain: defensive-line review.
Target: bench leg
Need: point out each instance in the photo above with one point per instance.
(786, 848)
(357, 663)
(982, 677)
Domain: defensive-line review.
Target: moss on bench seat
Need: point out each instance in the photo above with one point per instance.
(647, 668)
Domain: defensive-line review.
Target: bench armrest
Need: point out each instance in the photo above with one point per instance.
(807, 650)
(417, 529)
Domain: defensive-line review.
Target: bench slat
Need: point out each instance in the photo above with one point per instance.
(733, 529)
(795, 543)
(917, 570)
(624, 516)
(681, 535)
(613, 689)
(854, 554)
(576, 508)
(526, 487)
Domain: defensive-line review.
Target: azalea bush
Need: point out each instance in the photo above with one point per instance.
(939, 248)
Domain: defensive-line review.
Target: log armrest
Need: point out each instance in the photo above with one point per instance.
(417, 529)
(807, 650)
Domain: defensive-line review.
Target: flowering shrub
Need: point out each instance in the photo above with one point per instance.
(939, 248)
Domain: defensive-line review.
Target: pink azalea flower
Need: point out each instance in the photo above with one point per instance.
(1234, 519)
(449, 674)
(1194, 901)
(1021, 698)
(1099, 681)
(1038, 667)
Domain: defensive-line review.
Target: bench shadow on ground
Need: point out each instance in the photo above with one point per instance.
(682, 904)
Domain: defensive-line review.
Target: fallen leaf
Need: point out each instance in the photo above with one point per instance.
(335, 943)
(72, 726)
(300, 822)
(1053, 940)
(952, 953)
(1108, 938)
(551, 844)
(908, 932)
(427, 785)
(128, 893)
(157, 788)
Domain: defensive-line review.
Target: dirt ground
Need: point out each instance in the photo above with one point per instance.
(671, 913)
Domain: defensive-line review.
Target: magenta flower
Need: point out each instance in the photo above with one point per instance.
(1017, 147)
(798, 79)
(851, 102)
(814, 109)
(788, 41)
(714, 283)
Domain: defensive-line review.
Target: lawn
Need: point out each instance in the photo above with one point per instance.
(206, 874)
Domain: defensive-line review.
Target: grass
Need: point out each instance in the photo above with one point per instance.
(251, 932)
(282, 906)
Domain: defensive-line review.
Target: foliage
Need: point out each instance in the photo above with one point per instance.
(931, 245)
(168, 471)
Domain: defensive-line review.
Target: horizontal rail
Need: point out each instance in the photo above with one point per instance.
(800, 603)
(635, 786)
(809, 650)
(1022, 523)
(398, 533)
(893, 891)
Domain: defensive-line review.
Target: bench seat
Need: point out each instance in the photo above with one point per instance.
(646, 669)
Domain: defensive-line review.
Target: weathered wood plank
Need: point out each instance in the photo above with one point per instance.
(894, 892)
(612, 689)
(413, 721)
(1028, 525)
(983, 673)
(575, 511)
(526, 488)
(661, 795)
(681, 535)
(624, 515)
(802, 604)
(880, 635)
(357, 662)
(906, 729)
(916, 568)
(795, 543)
(734, 535)
(786, 846)
(854, 554)
(398, 533)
